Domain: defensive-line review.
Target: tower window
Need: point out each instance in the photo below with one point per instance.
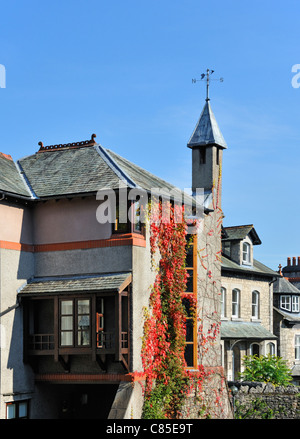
(202, 156)
(218, 156)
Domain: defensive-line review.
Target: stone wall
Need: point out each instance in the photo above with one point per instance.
(272, 402)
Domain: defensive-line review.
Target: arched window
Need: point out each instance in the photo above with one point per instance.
(223, 302)
(235, 303)
(297, 347)
(271, 348)
(246, 253)
(255, 304)
(254, 349)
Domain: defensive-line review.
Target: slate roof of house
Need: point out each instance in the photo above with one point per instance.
(207, 131)
(240, 232)
(11, 180)
(283, 286)
(102, 283)
(61, 170)
(242, 330)
(257, 268)
(291, 317)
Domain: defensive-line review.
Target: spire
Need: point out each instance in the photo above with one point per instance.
(207, 131)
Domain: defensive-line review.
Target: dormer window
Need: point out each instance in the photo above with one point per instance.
(290, 303)
(246, 253)
(295, 303)
(285, 302)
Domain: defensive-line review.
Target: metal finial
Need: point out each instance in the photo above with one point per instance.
(208, 79)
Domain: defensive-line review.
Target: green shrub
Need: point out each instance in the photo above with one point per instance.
(267, 369)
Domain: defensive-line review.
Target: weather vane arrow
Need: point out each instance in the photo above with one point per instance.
(208, 79)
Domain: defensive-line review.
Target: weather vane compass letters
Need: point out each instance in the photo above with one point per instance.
(208, 79)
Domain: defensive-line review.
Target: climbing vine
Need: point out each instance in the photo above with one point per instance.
(168, 381)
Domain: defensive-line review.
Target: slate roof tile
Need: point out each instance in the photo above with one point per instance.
(10, 178)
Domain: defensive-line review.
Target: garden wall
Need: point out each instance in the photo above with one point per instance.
(264, 400)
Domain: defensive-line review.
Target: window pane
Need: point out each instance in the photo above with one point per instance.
(286, 302)
(189, 330)
(189, 355)
(235, 303)
(83, 306)
(295, 304)
(67, 322)
(22, 409)
(187, 306)
(67, 307)
(246, 252)
(66, 338)
(189, 284)
(83, 338)
(11, 411)
(223, 302)
(297, 347)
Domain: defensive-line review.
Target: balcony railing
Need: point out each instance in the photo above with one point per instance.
(105, 342)
(41, 342)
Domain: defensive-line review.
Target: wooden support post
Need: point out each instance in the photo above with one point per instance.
(56, 328)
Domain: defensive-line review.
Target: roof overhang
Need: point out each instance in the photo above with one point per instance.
(245, 331)
(104, 283)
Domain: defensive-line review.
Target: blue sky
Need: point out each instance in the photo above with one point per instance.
(124, 71)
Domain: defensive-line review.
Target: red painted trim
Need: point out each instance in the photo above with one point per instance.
(130, 239)
(9, 245)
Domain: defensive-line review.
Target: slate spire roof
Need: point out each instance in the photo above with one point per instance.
(207, 131)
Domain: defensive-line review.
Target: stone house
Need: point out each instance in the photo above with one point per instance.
(75, 276)
(287, 321)
(246, 300)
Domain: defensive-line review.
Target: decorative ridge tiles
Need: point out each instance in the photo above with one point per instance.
(59, 146)
(6, 156)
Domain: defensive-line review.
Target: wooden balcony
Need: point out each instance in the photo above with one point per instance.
(44, 344)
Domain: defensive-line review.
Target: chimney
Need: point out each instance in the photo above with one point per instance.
(289, 261)
(294, 260)
(279, 271)
(298, 260)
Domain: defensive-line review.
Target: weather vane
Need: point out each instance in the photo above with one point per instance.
(208, 79)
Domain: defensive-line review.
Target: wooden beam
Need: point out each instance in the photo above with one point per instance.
(65, 362)
(101, 363)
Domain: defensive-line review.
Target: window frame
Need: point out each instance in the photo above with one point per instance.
(235, 303)
(75, 331)
(16, 405)
(223, 302)
(255, 304)
(192, 240)
(271, 348)
(285, 304)
(297, 347)
(257, 345)
(295, 304)
(246, 253)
